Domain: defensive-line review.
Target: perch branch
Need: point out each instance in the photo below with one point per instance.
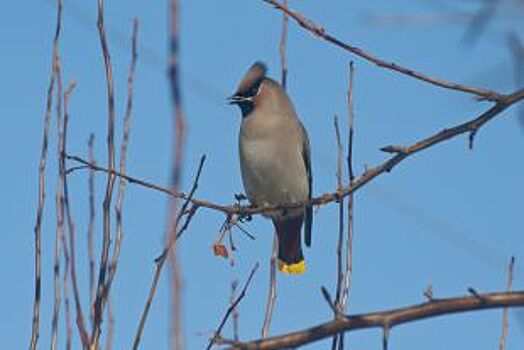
(386, 319)
(400, 154)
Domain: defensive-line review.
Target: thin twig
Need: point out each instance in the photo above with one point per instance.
(91, 229)
(123, 156)
(340, 272)
(101, 292)
(509, 282)
(236, 314)
(319, 31)
(400, 154)
(70, 223)
(59, 200)
(111, 324)
(67, 303)
(328, 299)
(161, 259)
(179, 136)
(389, 318)
(231, 308)
(349, 238)
(41, 184)
(272, 292)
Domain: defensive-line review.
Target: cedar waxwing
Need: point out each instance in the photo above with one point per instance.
(275, 161)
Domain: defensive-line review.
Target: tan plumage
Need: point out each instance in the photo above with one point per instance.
(275, 160)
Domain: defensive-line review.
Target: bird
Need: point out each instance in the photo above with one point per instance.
(275, 162)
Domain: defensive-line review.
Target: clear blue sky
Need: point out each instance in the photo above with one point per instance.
(449, 217)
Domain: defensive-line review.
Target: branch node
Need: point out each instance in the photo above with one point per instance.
(473, 292)
(395, 149)
(472, 135)
(428, 293)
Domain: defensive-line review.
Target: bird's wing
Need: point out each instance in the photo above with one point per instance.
(306, 155)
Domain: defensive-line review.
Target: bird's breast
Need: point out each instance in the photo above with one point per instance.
(273, 170)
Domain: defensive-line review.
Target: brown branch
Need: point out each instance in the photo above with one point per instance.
(111, 324)
(272, 293)
(236, 314)
(70, 223)
(179, 136)
(349, 239)
(67, 304)
(41, 183)
(91, 229)
(509, 282)
(104, 258)
(122, 166)
(387, 319)
(340, 273)
(401, 153)
(161, 259)
(59, 200)
(217, 336)
(319, 31)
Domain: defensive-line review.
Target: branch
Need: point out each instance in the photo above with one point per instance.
(59, 201)
(272, 292)
(91, 228)
(160, 261)
(504, 334)
(177, 164)
(123, 156)
(231, 308)
(70, 223)
(387, 319)
(106, 240)
(41, 183)
(401, 153)
(319, 31)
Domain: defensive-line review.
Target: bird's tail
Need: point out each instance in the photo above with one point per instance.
(290, 258)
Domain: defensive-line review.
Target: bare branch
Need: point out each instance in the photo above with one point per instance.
(161, 259)
(232, 307)
(123, 155)
(349, 239)
(41, 183)
(111, 324)
(340, 273)
(70, 223)
(236, 314)
(91, 229)
(386, 319)
(319, 31)
(177, 163)
(59, 201)
(101, 292)
(272, 293)
(504, 334)
(401, 153)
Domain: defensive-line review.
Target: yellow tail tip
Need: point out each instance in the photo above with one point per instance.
(292, 269)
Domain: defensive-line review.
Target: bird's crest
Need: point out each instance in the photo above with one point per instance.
(251, 81)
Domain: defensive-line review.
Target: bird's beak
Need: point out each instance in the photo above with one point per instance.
(237, 99)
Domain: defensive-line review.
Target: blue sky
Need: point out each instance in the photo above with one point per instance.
(449, 216)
